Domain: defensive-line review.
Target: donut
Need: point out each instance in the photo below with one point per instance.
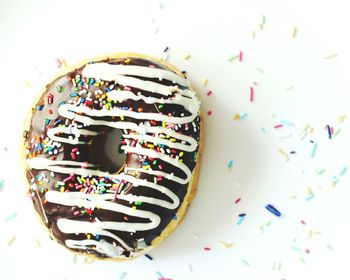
(111, 151)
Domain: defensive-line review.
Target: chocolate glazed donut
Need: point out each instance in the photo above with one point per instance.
(112, 152)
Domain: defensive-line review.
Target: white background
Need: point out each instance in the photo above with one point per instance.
(34, 33)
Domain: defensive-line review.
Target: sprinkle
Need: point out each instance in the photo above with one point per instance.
(166, 49)
(190, 269)
(296, 248)
(343, 171)
(278, 126)
(209, 113)
(209, 93)
(253, 34)
(285, 122)
(2, 183)
(320, 172)
(9, 243)
(37, 242)
(273, 210)
(263, 21)
(161, 6)
(282, 152)
(122, 276)
(290, 88)
(237, 200)
(207, 248)
(251, 94)
(260, 70)
(230, 164)
(330, 131)
(11, 217)
(59, 88)
(329, 247)
(240, 220)
(233, 58)
(303, 222)
(204, 81)
(294, 32)
(336, 132)
(26, 84)
(245, 262)
(330, 56)
(314, 149)
(225, 244)
(240, 56)
(187, 57)
(149, 257)
(159, 274)
(302, 260)
(341, 119)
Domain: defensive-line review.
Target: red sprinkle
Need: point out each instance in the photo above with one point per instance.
(50, 112)
(277, 126)
(240, 56)
(303, 222)
(209, 113)
(251, 94)
(237, 200)
(207, 248)
(73, 156)
(209, 93)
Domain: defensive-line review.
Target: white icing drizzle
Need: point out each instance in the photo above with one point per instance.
(146, 132)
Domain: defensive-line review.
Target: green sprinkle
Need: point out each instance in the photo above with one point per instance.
(77, 78)
(245, 262)
(260, 70)
(160, 106)
(233, 58)
(155, 162)
(59, 88)
(295, 31)
(42, 190)
(302, 260)
(76, 89)
(336, 132)
(82, 212)
(47, 121)
(138, 202)
(329, 247)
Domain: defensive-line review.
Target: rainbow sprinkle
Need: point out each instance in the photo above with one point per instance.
(2, 183)
(230, 163)
(273, 210)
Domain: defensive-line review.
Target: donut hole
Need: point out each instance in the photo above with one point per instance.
(105, 151)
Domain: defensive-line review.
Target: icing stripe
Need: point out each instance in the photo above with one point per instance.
(108, 72)
(101, 246)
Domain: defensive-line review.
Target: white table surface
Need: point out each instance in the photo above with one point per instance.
(299, 81)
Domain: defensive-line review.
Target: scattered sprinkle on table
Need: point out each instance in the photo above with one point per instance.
(204, 81)
(2, 183)
(282, 152)
(330, 56)
(329, 247)
(26, 84)
(251, 97)
(314, 149)
(240, 219)
(230, 163)
(207, 248)
(11, 217)
(237, 200)
(225, 244)
(262, 23)
(290, 88)
(209, 93)
(122, 276)
(210, 113)
(343, 171)
(232, 58)
(294, 32)
(187, 57)
(260, 70)
(149, 257)
(10, 242)
(245, 262)
(273, 210)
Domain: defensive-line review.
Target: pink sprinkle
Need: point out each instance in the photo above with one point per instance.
(74, 150)
(303, 222)
(277, 126)
(160, 166)
(76, 213)
(73, 156)
(67, 179)
(50, 98)
(209, 93)
(207, 248)
(127, 88)
(307, 251)
(251, 94)
(240, 56)
(237, 200)
(58, 63)
(209, 113)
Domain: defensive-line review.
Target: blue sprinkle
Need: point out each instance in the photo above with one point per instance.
(293, 152)
(40, 147)
(242, 215)
(61, 103)
(74, 94)
(122, 276)
(97, 237)
(174, 217)
(230, 163)
(2, 183)
(108, 89)
(240, 220)
(92, 81)
(11, 217)
(343, 171)
(273, 210)
(80, 83)
(148, 257)
(39, 107)
(57, 122)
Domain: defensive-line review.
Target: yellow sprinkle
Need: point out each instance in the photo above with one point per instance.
(146, 167)
(253, 34)
(236, 117)
(11, 240)
(180, 160)
(225, 244)
(290, 88)
(163, 124)
(41, 183)
(151, 146)
(187, 57)
(122, 118)
(204, 81)
(37, 241)
(114, 185)
(168, 136)
(109, 100)
(107, 106)
(64, 63)
(173, 140)
(133, 207)
(92, 182)
(295, 31)
(284, 154)
(88, 236)
(103, 95)
(83, 180)
(181, 154)
(330, 56)
(97, 85)
(62, 189)
(26, 84)
(102, 83)
(127, 60)
(341, 118)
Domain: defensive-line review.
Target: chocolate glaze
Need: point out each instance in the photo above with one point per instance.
(102, 152)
